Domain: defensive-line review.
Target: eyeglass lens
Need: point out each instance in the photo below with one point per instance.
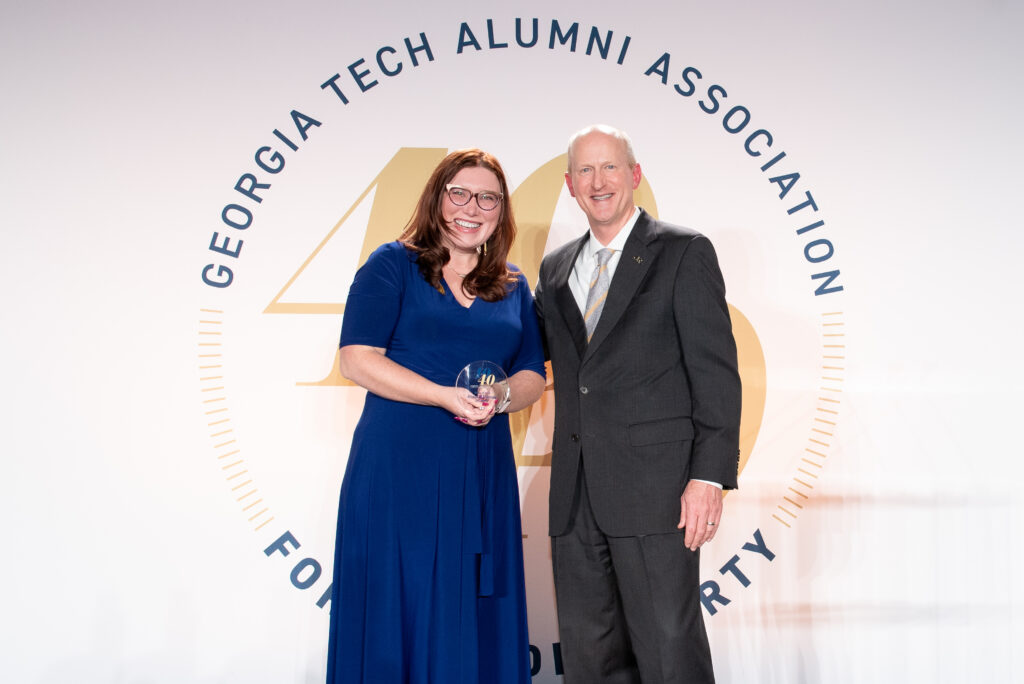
(461, 197)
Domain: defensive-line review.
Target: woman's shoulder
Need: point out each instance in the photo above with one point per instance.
(394, 250)
(391, 255)
(390, 262)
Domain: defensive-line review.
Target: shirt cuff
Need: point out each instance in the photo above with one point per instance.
(713, 484)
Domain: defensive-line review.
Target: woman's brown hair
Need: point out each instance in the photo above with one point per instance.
(491, 279)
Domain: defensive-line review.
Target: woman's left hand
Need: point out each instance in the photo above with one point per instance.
(474, 410)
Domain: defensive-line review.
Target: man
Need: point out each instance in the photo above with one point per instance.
(647, 414)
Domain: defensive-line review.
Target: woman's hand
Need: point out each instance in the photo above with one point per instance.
(470, 409)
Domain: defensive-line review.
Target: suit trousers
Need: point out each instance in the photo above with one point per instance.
(628, 607)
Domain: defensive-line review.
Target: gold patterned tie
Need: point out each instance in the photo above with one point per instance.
(598, 291)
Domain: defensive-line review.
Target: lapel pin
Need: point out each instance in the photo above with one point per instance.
(638, 259)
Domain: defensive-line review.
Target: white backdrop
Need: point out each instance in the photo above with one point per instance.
(160, 434)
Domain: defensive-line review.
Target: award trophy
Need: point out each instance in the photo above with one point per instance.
(487, 382)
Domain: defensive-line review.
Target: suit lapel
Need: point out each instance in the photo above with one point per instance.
(563, 295)
(636, 259)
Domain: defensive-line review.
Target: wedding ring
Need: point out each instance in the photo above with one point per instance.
(711, 524)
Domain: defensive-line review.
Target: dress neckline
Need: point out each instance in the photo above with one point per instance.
(449, 292)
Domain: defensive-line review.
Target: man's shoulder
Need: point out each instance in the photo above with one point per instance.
(674, 242)
(560, 254)
(668, 231)
(566, 250)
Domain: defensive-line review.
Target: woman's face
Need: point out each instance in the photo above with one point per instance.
(468, 226)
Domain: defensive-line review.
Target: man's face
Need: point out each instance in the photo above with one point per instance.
(602, 181)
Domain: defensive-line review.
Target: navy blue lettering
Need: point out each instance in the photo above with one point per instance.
(759, 546)
(803, 205)
(519, 33)
(383, 67)
(225, 247)
(303, 123)
(332, 83)
(424, 46)
(242, 224)
(248, 178)
(283, 138)
(812, 226)
(691, 86)
(563, 38)
(710, 594)
(622, 52)
(731, 567)
(728, 116)
(714, 100)
(773, 161)
(222, 272)
(829, 251)
(785, 182)
(556, 655)
(325, 597)
(759, 133)
(277, 158)
(595, 38)
(824, 287)
(360, 75)
(314, 575)
(490, 36)
(280, 545)
(534, 661)
(466, 39)
(660, 67)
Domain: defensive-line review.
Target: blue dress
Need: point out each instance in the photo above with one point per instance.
(428, 565)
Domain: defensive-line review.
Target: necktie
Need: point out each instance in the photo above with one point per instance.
(598, 291)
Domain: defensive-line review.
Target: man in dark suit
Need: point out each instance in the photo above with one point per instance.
(647, 415)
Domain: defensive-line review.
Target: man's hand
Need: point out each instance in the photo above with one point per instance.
(700, 512)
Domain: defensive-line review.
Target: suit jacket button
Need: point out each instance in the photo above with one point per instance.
(584, 390)
(575, 437)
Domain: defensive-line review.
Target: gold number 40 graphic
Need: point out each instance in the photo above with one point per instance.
(396, 189)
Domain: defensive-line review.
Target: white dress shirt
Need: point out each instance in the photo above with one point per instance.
(583, 271)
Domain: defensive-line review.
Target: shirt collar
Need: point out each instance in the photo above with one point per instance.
(618, 242)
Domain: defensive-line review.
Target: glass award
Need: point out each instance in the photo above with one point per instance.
(487, 382)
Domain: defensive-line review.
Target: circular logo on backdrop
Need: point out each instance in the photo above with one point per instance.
(337, 176)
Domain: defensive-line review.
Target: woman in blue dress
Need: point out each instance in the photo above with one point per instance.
(428, 566)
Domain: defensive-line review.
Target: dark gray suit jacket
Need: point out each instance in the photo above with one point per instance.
(653, 400)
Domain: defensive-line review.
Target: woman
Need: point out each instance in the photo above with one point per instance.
(428, 568)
